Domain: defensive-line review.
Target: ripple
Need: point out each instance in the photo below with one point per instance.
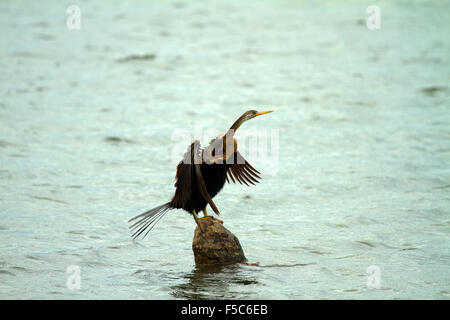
(312, 250)
(76, 232)
(137, 57)
(4, 144)
(366, 243)
(409, 249)
(17, 155)
(9, 273)
(47, 199)
(20, 269)
(433, 90)
(34, 258)
(45, 36)
(276, 265)
(444, 293)
(117, 140)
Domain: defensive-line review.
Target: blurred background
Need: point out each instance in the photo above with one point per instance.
(357, 208)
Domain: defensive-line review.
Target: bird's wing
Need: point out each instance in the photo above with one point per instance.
(202, 189)
(242, 171)
(187, 170)
(183, 178)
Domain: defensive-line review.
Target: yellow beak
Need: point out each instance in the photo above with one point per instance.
(262, 112)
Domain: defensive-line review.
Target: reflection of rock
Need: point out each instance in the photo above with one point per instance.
(216, 245)
(214, 282)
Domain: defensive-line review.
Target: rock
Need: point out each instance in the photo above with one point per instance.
(216, 245)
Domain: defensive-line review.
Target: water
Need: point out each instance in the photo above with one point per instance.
(88, 119)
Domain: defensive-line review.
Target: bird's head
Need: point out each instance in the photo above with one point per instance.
(250, 114)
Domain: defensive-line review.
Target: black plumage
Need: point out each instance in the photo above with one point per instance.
(200, 176)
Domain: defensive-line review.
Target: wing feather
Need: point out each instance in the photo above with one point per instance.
(242, 171)
(187, 170)
(202, 189)
(183, 177)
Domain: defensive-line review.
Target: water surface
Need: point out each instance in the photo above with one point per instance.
(88, 123)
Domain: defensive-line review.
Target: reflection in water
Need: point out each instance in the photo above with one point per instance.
(216, 282)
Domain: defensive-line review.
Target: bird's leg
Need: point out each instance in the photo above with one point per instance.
(205, 213)
(197, 220)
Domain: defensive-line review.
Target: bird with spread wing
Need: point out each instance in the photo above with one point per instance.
(200, 175)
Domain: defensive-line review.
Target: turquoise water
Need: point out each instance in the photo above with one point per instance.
(89, 137)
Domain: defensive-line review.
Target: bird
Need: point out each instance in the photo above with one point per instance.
(200, 176)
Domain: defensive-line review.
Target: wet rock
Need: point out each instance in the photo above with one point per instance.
(216, 245)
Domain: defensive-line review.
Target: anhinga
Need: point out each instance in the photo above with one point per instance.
(201, 175)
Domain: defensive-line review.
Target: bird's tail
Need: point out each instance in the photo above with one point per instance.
(148, 219)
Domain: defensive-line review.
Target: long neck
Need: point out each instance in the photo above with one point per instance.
(228, 138)
(236, 125)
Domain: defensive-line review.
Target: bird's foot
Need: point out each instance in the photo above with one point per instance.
(198, 222)
(211, 218)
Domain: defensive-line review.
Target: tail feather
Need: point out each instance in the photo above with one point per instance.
(148, 220)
